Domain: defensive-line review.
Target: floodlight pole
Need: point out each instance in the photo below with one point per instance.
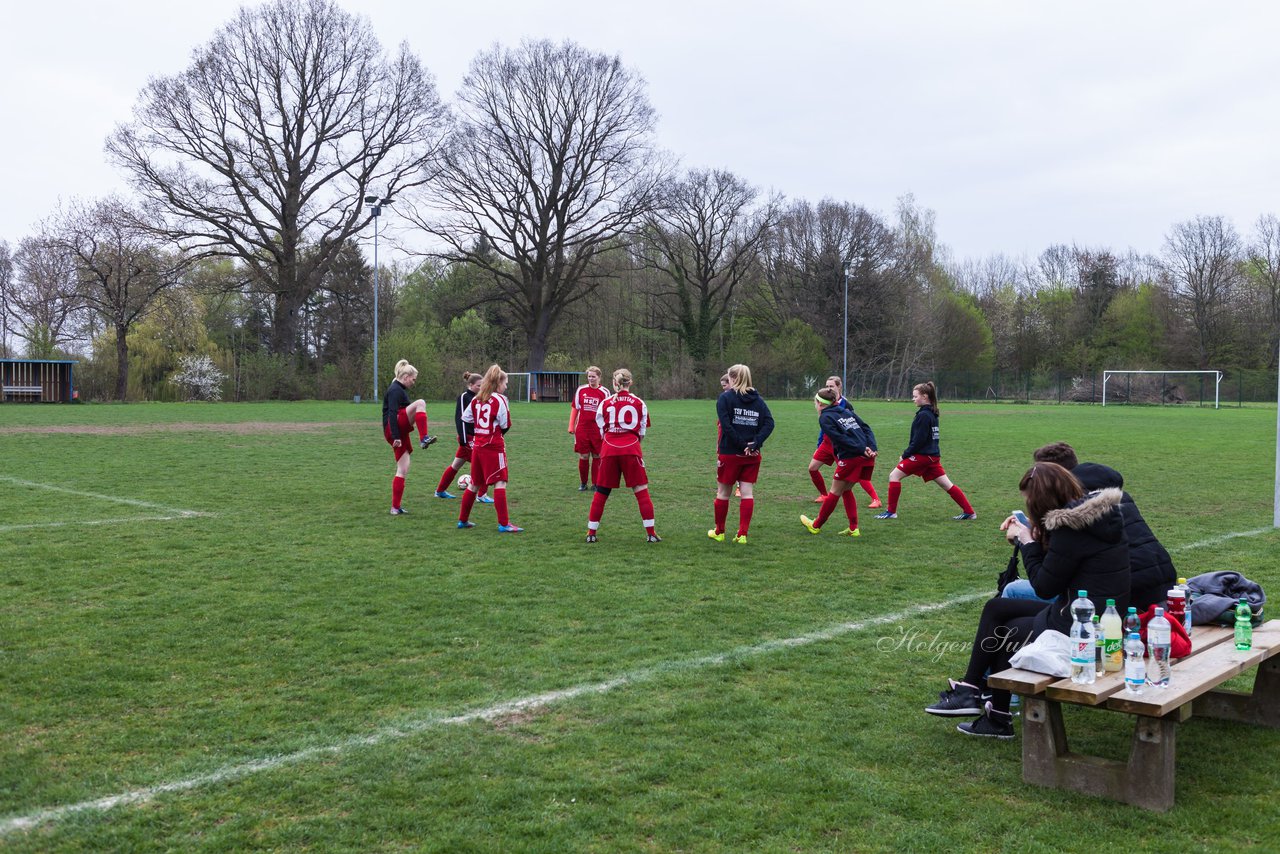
(844, 371)
(377, 204)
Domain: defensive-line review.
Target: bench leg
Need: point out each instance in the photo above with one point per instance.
(1146, 780)
(1262, 707)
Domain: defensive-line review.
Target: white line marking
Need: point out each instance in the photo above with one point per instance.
(432, 721)
(170, 512)
(1213, 541)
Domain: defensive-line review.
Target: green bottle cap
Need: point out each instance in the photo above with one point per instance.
(1082, 594)
(1111, 603)
(1132, 610)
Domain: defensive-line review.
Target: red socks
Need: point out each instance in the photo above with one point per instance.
(824, 512)
(850, 508)
(957, 495)
(583, 467)
(468, 501)
(895, 489)
(397, 491)
(445, 479)
(420, 418)
(596, 512)
(819, 481)
(500, 504)
(722, 513)
(870, 489)
(595, 465)
(645, 502)
(746, 507)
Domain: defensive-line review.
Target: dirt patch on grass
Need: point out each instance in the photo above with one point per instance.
(239, 428)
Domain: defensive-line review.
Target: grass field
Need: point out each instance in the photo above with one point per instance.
(214, 637)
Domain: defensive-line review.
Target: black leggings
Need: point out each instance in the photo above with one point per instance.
(1004, 626)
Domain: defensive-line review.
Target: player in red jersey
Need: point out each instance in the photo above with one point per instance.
(582, 424)
(745, 424)
(399, 417)
(463, 454)
(623, 420)
(825, 455)
(490, 417)
(922, 457)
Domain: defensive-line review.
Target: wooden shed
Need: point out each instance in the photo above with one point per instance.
(36, 381)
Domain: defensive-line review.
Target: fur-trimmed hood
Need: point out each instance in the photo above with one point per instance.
(1096, 510)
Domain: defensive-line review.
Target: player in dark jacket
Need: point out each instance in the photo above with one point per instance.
(824, 454)
(854, 446)
(399, 417)
(922, 456)
(745, 424)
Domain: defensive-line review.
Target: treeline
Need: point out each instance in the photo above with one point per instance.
(556, 235)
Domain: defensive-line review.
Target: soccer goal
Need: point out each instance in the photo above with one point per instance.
(1164, 383)
(518, 387)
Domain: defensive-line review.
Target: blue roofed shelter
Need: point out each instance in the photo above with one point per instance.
(37, 381)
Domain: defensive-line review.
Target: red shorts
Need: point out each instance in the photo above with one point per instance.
(488, 466)
(613, 469)
(825, 453)
(734, 468)
(587, 444)
(854, 469)
(463, 453)
(928, 468)
(406, 435)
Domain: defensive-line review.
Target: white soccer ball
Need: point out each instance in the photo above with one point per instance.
(464, 481)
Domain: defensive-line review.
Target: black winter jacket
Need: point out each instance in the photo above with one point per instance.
(850, 435)
(396, 398)
(744, 419)
(1152, 570)
(924, 434)
(1087, 551)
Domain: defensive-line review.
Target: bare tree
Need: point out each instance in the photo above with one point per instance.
(264, 148)
(703, 235)
(120, 269)
(43, 297)
(1202, 258)
(552, 160)
(1264, 267)
(6, 283)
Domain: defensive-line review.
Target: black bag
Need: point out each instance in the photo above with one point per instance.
(1010, 572)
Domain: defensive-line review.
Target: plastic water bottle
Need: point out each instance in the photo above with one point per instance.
(1135, 668)
(1113, 652)
(1099, 644)
(1176, 606)
(1132, 622)
(1083, 648)
(1186, 620)
(1244, 625)
(1159, 634)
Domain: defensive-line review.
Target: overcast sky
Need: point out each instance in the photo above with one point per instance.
(1021, 124)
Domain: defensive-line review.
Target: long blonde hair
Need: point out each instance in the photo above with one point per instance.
(404, 369)
(739, 378)
(493, 378)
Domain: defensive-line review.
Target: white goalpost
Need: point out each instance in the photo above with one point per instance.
(518, 387)
(1217, 375)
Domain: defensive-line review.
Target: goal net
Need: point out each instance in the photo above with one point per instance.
(518, 387)
(1155, 386)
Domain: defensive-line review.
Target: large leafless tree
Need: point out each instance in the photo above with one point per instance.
(704, 235)
(551, 161)
(263, 149)
(1264, 264)
(1202, 259)
(44, 299)
(6, 283)
(120, 268)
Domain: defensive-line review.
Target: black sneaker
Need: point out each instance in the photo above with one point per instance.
(992, 724)
(427, 441)
(654, 538)
(957, 701)
(582, 487)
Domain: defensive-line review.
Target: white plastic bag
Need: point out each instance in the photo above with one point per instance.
(1049, 653)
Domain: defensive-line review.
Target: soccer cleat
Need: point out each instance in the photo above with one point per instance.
(741, 539)
(653, 538)
(510, 529)
(849, 532)
(591, 538)
(808, 525)
(445, 494)
(466, 524)
(427, 442)
(991, 724)
(887, 515)
(874, 505)
(398, 511)
(820, 499)
(965, 517)
(582, 487)
(483, 499)
(719, 538)
(959, 700)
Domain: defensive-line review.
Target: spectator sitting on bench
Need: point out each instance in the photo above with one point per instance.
(1150, 566)
(1075, 542)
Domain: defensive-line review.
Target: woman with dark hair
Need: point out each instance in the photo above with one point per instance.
(922, 456)
(1075, 542)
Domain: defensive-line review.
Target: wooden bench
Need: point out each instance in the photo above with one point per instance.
(1147, 778)
(21, 391)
